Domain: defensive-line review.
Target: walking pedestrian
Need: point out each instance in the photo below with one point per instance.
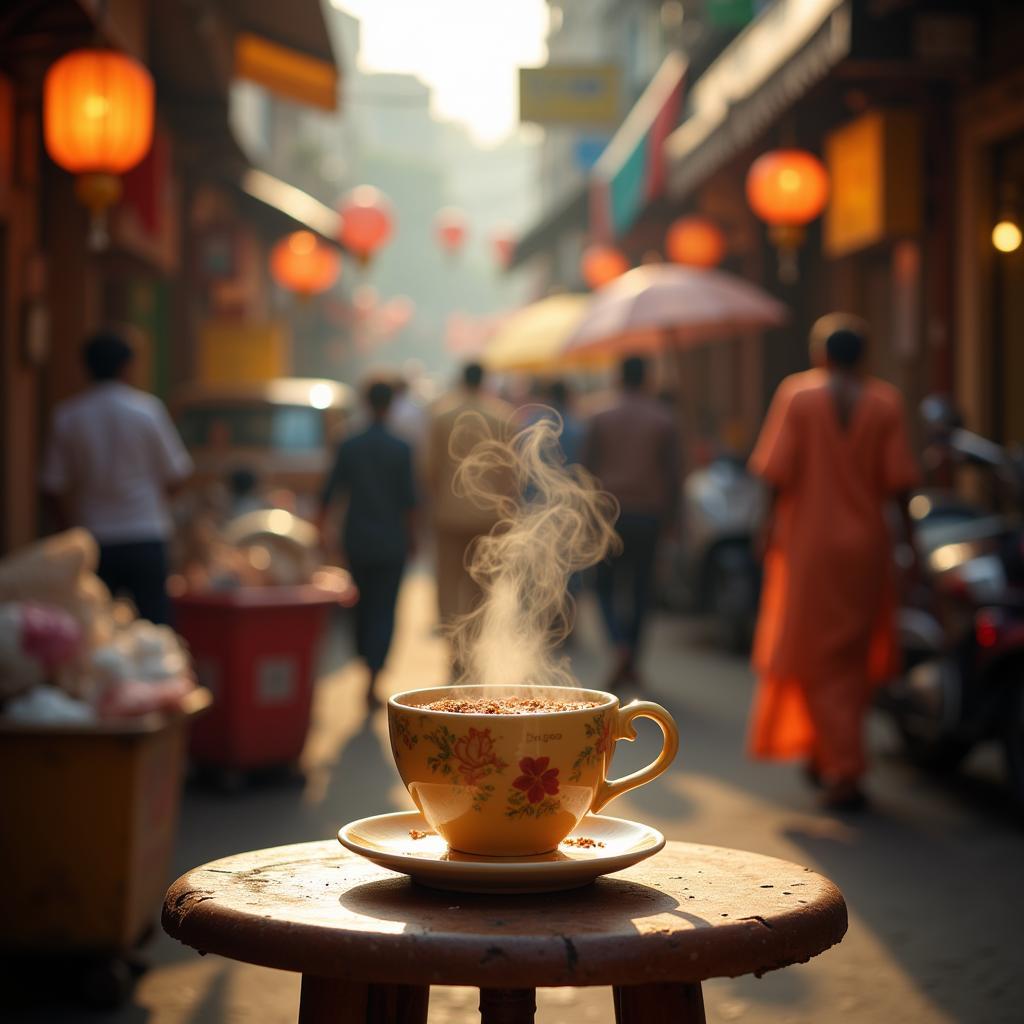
(113, 460)
(458, 520)
(632, 449)
(560, 398)
(408, 416)
(373, 470)
(833, 451)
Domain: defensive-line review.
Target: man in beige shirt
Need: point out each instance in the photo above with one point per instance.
(459, 520)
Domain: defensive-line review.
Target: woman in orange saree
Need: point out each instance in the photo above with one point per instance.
(833, 451)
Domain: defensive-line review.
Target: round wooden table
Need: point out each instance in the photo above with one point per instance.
(369, 943)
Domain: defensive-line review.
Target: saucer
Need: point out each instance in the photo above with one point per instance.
(405, 843)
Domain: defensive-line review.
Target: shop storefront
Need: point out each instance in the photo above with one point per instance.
(990, 262)
(873, 91)
(55, 286)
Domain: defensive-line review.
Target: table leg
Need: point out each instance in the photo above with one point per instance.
(658, 1004)
(507, 1005)
(333, 1001)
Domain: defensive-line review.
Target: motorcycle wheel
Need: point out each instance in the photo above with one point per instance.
(938, 756)
(733, 602)
(1013, 742)
(925, 704)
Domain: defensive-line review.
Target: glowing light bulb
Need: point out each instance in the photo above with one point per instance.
(321, 395)
(1006, 236)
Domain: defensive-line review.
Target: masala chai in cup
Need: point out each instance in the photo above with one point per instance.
(509, 771)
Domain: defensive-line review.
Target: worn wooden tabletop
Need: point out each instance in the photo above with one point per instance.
(689, 913)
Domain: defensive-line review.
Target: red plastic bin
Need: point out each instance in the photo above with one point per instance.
(254, 648)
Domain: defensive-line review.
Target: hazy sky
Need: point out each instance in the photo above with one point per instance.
(466, 50)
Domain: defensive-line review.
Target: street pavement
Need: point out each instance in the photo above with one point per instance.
(932, 875)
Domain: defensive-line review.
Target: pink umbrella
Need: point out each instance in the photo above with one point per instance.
(662, 304)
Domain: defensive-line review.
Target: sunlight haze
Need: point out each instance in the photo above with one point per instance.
(468, 51)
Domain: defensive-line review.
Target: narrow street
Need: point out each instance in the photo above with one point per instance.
(284, 285)
(929, 875)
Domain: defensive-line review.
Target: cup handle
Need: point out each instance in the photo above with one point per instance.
(609, 790)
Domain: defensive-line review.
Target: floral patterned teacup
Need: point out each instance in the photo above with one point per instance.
(514, 785)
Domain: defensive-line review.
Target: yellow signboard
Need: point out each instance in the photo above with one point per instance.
(237, 352)
(874, 164)
(576, 94)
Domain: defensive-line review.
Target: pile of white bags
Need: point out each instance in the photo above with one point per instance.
(68, 652)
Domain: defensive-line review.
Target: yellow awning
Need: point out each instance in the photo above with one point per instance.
(532, 339)
(287, 72)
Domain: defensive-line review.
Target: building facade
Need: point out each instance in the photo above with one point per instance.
(915, 108)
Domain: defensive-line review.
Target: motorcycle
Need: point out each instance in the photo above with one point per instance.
(715, 571)
(963, 631)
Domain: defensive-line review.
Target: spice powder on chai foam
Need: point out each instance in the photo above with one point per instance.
(507, 705)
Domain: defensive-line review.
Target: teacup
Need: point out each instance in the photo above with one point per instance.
(514, 785)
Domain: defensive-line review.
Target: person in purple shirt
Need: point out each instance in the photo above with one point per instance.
(632, 449)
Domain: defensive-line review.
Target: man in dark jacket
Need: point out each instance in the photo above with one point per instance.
(374, 471)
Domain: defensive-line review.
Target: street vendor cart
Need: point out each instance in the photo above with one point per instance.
(255, 649)
(90, 814)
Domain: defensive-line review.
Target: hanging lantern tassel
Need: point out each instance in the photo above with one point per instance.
(98, 193)
(788, 239)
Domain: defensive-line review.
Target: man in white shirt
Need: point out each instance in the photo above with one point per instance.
(114, 458)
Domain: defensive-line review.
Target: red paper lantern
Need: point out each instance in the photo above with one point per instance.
(695, 242)
(398, 312)
(601, 264)
(364, 301)
(303, 264)
(97, 123)
(366, 222)
(787, 189)
(450, 225)
(504, 245)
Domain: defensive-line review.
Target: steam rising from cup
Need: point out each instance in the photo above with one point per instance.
(553, 521)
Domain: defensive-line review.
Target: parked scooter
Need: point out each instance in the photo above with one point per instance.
(963, 633)
(715, 570)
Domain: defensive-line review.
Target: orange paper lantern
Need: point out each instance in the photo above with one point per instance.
(97, 112)
(450, 225)
(366, 222)
(695, 242)
(787, 187)
(303, 264)
(97, 123)
(601, 264)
